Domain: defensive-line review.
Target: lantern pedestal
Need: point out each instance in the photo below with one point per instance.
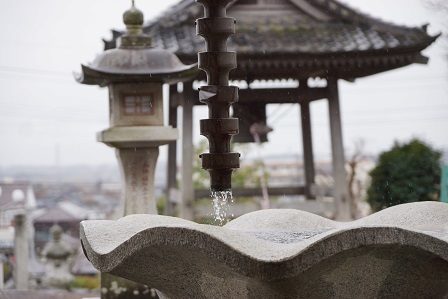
(138, 136)
(137, 150)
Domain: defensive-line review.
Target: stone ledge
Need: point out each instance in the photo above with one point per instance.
(255, 254)
(138, 136)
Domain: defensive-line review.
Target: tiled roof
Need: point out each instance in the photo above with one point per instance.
(56, 215)
(301, 29)
(277, 35)
(81, 265)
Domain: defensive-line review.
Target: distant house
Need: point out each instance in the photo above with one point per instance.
(81, 265)
(55, 215)
(6, 241)
(67, 215)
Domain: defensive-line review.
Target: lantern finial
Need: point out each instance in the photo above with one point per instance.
(133, 17)
(134, 36)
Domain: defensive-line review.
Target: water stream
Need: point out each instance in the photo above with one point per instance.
(221, 208)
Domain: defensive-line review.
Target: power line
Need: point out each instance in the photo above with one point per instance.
(62, 119)
(287, 110)
(443, 76)
(76, 114)
(416, 121)
(66, 109)
(32, 71)
(373, 112)
(29, 44)
(58, 73)
(400, 109)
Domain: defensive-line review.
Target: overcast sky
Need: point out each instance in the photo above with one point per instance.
(48, 118)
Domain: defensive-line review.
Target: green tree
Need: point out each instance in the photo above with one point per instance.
(246, 176)
(200, 176)
(408, 172)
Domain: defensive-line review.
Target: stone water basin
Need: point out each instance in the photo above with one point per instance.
(400, 252)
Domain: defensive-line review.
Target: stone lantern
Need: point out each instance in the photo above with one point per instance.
(134, 74)
(56, 256)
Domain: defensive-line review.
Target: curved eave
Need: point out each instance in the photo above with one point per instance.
(344, 65)
(91, 76)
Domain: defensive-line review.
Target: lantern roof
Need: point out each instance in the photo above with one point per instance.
(135, 60)
(295, 38)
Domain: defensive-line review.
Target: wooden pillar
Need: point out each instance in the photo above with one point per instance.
(308, 157)
(187, 189)
(172, 154)
(337, 148)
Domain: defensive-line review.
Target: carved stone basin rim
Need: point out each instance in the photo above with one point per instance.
(250, 244)
(260, 251)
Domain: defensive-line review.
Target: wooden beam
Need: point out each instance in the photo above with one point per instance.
(172, 155)
(282, 95)
(243, 192)
(279, 95)
(307, 140)
(187, 189)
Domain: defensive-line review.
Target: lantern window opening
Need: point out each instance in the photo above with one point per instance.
(140, 104)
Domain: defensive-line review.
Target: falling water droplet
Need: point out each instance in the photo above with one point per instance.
(221, 209)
